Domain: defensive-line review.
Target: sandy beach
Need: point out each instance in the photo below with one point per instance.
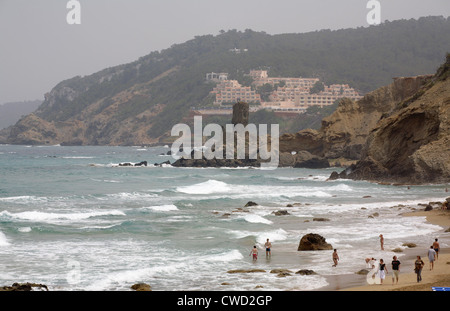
(439, 276)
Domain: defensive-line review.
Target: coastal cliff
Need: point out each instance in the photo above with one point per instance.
(412, 144)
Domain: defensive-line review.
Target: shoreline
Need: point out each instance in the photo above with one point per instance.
(438, 277)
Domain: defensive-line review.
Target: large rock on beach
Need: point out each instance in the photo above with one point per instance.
(313, 242)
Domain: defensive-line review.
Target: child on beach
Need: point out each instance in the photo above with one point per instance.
(254, 251)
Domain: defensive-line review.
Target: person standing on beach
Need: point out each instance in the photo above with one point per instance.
(268, 246)
(382, 242)
(431, 257)
(395, 269)
(436, 248)
(382, 271)
(254, 252)
(335, 258)
(418, 265)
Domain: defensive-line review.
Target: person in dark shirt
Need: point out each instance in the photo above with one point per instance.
(418, 265)
(382, 271)
(395, 269)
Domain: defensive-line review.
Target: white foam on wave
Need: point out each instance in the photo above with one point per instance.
(239, 191)
(135, 275)
(23, 198)
(221, 257)
(132, 195)
(78, 157)
(162, 208)
(207, 187)
(252, 218)
(43, 216)
(367, 230)
(3, 240)
(261, 237)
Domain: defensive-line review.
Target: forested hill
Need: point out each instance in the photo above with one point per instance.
(139, 102)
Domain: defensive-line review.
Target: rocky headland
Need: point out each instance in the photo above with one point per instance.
(410, 143)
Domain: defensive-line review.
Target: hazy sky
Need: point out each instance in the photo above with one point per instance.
(38, 48)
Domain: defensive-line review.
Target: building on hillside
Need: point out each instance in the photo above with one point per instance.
(231, 91)
(261, 77)
(290, 95)
(258, 74)
(238, 51)
(217, 77)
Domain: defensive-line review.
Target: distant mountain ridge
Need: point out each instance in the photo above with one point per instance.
(138, 103)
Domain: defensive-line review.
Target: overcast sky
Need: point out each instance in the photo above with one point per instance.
(38, 48)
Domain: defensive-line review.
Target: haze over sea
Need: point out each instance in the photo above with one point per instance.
(72, 219)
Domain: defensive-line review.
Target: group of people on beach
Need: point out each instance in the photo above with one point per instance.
(382, 270)
(433, 254)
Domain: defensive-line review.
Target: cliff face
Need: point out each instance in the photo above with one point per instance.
(344, 133)
(412, 144)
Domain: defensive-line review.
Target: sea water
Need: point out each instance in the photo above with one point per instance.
(73, 219)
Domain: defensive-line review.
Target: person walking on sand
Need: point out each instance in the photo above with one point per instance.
(418, 265)
(382, 271)
(268, 246)
(431, 257)
(382, 242)
(254, 252)
(395, 269)
(335, 258)
(436, 248)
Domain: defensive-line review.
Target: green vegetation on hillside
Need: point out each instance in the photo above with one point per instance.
(365, 58)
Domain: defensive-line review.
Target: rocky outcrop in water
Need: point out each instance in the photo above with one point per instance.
(313, 242)
(23, 287)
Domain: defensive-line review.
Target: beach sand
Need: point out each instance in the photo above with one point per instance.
(438, 277)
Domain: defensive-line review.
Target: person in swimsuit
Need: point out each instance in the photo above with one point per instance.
(335, 258)
(382, 242)
(436, 248)
(268, 246)
(254, 252)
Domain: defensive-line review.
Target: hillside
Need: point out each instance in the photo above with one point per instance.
(138, 103)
